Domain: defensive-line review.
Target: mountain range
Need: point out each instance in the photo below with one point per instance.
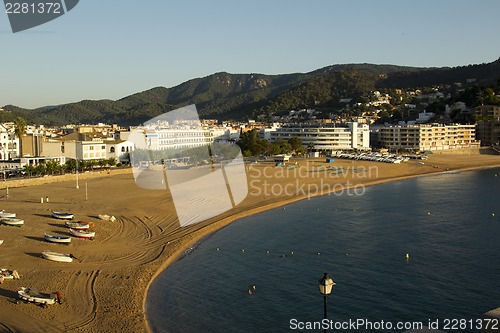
(243, 96)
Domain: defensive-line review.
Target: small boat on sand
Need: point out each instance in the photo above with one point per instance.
(107, 217)
(82, 233)
(4, 214)
(57, 239)
(77, 225)
(31, 295)
(12, 221)
(8, 274)
(62, 215)
(55, 256)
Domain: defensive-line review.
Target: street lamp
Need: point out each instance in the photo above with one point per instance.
(326, 285)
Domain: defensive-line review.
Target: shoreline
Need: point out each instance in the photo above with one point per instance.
(128, 254)
(224, 222)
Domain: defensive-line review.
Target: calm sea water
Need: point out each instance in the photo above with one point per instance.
(444, 222)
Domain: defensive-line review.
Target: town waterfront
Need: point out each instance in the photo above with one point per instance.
(449, 224)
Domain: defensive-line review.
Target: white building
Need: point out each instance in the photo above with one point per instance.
(9, 143)
(327, 137)
(119, 149)
(183, 137)
(425, 116)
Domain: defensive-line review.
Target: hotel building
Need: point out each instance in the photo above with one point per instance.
(352, 136)
(431, 137)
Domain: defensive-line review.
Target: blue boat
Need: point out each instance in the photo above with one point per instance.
(62, 216)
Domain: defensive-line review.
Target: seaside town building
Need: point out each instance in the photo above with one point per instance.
(488, 126)
(428, 137)
(327, 137)
(184, 136)
(9, 143)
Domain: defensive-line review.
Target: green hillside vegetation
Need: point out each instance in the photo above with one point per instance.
(243, 96)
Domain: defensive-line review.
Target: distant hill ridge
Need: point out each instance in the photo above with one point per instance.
(238, 96)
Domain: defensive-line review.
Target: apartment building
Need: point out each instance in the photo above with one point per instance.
(488, 128)
(431, 137)
(327, 137)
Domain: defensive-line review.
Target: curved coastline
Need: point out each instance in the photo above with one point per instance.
(128, 254)
(221, 223)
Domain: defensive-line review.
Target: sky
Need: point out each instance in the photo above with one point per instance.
(109, 49)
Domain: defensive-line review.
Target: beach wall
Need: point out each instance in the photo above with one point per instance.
(466, 151)
(22, 182)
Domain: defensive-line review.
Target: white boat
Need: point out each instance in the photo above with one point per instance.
(31, 295)
(62, 215)
(12, 221)
(54, 256)
(1, 241)
(82, 233)
(4, 214)
(106, 217)
(77, 225)
(8, 274)
(57, 239)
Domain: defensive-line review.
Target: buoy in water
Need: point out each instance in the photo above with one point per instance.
(428, 213)
(242, 250)
(407, 256)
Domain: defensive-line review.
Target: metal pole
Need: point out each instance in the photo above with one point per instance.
(325, 312)
(77, 186)
(86, 192)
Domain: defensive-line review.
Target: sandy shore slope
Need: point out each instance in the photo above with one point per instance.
(104, 290)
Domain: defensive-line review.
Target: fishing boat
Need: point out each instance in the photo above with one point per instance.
(55, 256)
(31, 295)
(4, 214)
(77, 225)
(8, 274)
(57, 239)
(107, 217)
(62, 215)
(12, 221)
(82, 233)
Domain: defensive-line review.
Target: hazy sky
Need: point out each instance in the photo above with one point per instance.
(113, 48)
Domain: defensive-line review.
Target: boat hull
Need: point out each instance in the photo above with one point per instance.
(29, 296)
(77, 225)
(62, 216)
(57, 239)
(54, 256)
(82, 233)
(12, 221)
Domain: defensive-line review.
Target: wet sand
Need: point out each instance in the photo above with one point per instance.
(104, 290)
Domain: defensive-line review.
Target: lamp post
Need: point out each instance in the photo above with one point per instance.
(326, 285)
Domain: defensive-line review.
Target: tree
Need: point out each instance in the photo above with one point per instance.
(19, 132)
(295, 142)
(251, 144)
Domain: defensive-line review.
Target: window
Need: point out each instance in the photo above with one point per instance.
(112, 149)
(123, 149)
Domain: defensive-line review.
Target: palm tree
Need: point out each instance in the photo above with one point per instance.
(20, 131)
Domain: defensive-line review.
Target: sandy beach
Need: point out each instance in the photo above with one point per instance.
(104, 290)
